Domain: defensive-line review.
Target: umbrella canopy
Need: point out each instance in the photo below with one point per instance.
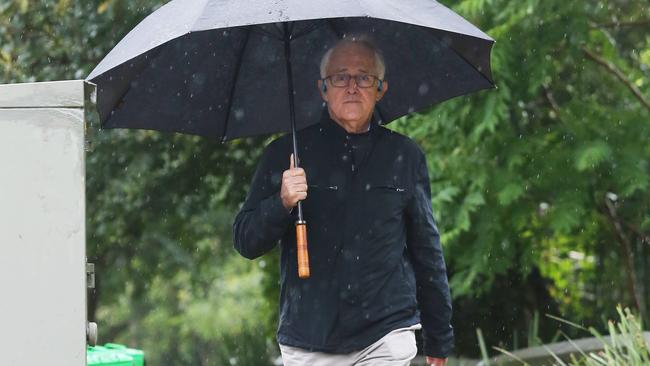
(218, 68)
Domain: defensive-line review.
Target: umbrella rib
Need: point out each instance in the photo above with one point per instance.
(463, 57)
(154, 52)
(234, 83)
(330, 22)
(262, 31)
(308, 30)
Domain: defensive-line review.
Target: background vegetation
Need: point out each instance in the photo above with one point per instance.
(541, 187)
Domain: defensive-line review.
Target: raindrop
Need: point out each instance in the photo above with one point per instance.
(239, 114)
(423, 89)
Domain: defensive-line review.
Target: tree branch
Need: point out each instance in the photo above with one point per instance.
(645, 238)
(619, 74)
(629, 23)
(626, 248)
(551, 100)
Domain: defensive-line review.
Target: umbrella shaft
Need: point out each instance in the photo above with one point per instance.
(292, 111)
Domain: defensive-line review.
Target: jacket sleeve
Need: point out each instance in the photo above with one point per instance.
(425, 252)
(262, 220)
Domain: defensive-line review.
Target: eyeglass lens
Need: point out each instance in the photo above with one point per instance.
(362, 80)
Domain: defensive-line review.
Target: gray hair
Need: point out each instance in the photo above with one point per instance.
(380, 64)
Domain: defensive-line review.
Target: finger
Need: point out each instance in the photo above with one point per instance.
(291, 166)
(300, 187)
(288, 175)
(297, 172)
(298, 194)
(293, 181)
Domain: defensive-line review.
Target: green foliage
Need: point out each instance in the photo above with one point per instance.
(551, 169)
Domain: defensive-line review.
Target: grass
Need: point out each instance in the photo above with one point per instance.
(626, 346)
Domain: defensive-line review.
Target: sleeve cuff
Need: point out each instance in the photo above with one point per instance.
(441, 348)
(435, 352)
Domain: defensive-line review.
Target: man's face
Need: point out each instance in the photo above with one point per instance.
(352, 104)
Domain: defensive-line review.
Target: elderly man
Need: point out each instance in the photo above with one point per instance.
(377, 269)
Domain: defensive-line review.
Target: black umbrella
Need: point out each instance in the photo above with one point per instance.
(227, 68)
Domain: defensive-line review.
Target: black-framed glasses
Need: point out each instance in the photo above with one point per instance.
(343, 80)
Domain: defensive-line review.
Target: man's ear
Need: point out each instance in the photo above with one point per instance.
(384, 89)
(322, 88)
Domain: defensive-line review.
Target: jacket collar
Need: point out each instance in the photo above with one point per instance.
(331, 126)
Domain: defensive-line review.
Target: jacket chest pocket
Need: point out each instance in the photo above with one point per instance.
(321, 199)
(386, 187)
(387, 197)
(323, 187)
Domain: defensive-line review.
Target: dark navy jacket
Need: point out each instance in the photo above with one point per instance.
(374, 249)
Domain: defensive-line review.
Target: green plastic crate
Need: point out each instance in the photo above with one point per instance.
(138, 355)
(102, 356)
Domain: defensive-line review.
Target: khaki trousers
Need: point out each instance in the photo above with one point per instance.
(396, 348)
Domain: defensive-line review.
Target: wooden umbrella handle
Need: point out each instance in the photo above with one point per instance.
(303, 254)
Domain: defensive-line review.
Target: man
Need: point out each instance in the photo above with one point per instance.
(374, 247)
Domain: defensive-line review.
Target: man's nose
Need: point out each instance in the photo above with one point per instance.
(352, 88)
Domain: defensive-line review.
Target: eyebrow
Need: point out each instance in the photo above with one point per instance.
(346, 69)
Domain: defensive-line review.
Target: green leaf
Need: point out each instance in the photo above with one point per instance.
(473, 200)
(566, 216)
(592, 155)
(447, 194)
(510, 193)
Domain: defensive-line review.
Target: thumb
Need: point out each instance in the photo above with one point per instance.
(291, 165)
